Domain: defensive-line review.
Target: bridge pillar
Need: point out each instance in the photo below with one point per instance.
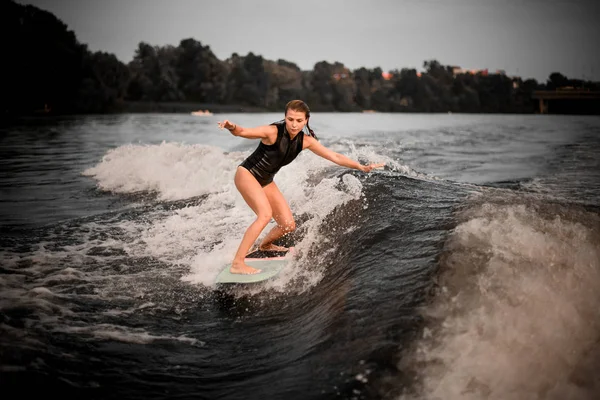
(544, 106)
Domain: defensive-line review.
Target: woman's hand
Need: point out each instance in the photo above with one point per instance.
(368, 168)
(227, 125)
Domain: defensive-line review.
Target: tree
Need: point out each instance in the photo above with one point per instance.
(154, 75)
(248, 83)
(557, 80)
(201, 76)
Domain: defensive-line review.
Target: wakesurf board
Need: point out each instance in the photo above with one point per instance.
(269, 262)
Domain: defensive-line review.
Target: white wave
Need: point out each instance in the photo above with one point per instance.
(223, 218)
(367, 154)
(205, 236)
(175, 171)
(172, 170)
(518, 310)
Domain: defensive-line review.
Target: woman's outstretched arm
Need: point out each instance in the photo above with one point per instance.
(316, 147)
(259, 132)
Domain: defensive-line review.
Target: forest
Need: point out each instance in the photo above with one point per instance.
(48, 71)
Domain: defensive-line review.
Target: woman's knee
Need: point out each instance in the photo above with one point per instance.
(264, 216)
(288, 226)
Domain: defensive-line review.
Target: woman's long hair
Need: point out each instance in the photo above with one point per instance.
(300, 106)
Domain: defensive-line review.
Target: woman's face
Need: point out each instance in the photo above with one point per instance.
(295, 121)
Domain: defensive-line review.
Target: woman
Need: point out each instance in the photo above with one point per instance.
(280, 144)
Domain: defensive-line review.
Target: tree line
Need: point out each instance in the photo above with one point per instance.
(49, 70)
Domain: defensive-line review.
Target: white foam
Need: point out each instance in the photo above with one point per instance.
(368, 154)
(205, 236)
(518, 309)
(172, 170)
(122, 334)
(317, 202)
(176, 171)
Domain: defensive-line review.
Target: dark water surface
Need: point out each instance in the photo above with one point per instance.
(469, 268)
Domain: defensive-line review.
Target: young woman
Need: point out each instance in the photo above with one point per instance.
(280, 144)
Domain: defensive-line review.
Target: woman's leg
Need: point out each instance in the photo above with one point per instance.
(282, 215)
(256, 198)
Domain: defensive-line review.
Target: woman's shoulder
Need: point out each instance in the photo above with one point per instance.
(272, 134)
(308, 141)
(279, 126)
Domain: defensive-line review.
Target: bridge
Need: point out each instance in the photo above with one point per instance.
(587, 100)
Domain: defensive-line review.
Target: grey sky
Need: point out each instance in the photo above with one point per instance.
(527, 38)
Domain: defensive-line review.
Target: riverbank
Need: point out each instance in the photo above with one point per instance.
(185, 107)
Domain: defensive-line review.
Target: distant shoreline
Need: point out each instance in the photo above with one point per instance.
(141, 107)
(185, 107)
(149, 107)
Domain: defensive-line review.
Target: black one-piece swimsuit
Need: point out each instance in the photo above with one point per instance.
(267, 159)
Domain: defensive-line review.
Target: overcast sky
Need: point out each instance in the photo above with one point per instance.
(527, 38)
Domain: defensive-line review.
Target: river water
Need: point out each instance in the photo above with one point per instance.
(467, 268)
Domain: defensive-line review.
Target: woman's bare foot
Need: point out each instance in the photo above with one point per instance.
(243, 269)
(272, 247)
